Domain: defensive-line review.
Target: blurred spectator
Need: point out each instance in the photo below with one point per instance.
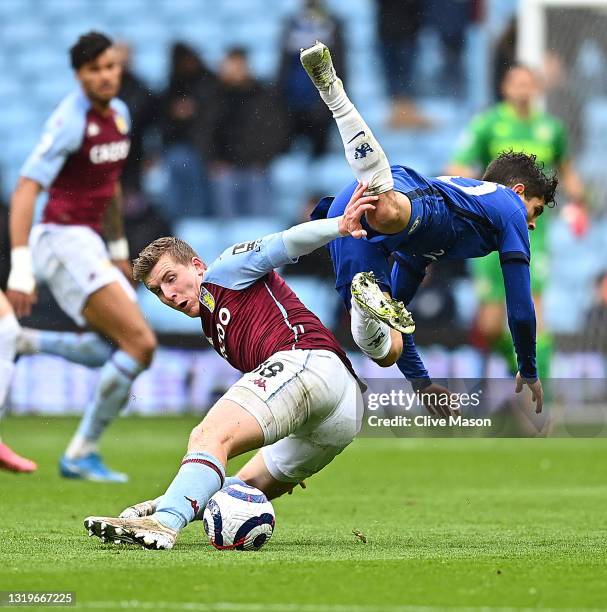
(562, 97)
(435, 307)
(516, 123)
(398, 23)
(504, 56)
(307, 115)
(318, 263)
(142, 105)
(450, 19)
(595, 329)
(5, 246)
(185, 126)
(248, 132)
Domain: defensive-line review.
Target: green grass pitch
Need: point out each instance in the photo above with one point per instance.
(450, 523)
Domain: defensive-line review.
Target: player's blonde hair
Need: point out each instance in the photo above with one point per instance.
(179, 250)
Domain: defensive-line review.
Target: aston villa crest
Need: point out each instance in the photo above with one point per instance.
(121, 124)
(207, 300)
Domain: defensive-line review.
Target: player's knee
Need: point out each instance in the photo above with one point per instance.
(207, 437)
(9, 334)
(143, 344)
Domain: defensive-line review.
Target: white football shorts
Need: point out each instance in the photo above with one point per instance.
(309, 406)
(74, 262)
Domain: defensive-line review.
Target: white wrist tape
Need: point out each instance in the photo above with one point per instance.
(118, 249)
(21, 277)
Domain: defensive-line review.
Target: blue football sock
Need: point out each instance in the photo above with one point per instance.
(200, 476)
(117, 376)
(88, 349)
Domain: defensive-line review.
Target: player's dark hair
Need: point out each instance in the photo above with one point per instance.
(178, 249)
(510, 168)
(88, 47)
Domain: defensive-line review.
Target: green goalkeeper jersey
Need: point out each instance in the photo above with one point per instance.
(500, 129)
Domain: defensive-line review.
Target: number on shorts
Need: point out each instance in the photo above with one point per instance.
(269, 370)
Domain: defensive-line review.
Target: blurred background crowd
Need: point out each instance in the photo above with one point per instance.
(230, 142)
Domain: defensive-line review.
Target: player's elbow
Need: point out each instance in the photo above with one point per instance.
(391, 213)
(27, 187)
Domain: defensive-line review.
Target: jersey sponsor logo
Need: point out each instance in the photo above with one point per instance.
(415, 225)
(362, 150)
(245, 247)
(121, 124)
(109, 152)
(92, 129)
(207, 299)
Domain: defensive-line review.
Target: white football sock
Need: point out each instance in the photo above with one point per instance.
(9, 332)
(111, 395)
(371, 336)
(363, 153)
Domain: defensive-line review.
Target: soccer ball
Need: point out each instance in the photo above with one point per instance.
(240, 517)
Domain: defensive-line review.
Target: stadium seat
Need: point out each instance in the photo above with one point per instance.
(316, 294)
(330, 173)
(242, 229)
(12, 11)
(151, 64)
(203, 234)
(23, 33)
(164, 319)
(290, 184)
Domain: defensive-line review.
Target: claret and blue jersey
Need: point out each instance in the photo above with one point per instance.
(451, 218)
(79, 159)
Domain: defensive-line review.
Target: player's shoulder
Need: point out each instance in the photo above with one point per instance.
(120, 107)
(227, 269)
(67, 122)
(70, 112)
(511, 208)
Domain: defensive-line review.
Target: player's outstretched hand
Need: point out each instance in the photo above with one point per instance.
(358, 205)
(537, 393)
(21, 302)
(437, 401)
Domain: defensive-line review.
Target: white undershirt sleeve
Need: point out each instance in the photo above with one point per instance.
(307, 237)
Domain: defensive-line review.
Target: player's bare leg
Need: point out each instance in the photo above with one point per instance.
(9, 333)
(256, 473)
(363, 152)
(112, 313)
(227, 431)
